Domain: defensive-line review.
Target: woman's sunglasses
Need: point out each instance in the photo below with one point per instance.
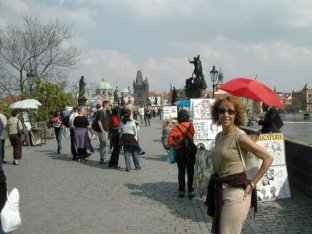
(229, 111)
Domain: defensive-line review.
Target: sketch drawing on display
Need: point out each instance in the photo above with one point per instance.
(205, 129)
(274, 184)
(170, 112)
(202, 108)
(203, 170)
(274, 143)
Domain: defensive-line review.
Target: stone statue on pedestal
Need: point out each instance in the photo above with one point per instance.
(82, 89)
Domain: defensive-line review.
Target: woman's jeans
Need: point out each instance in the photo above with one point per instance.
(131, 151)
(58, 136)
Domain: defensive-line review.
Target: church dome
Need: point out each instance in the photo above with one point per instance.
(125, 90)
(104, 85)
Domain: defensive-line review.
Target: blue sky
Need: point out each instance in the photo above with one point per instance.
(270, 39)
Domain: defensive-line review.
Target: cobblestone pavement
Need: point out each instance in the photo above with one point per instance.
(59, 195)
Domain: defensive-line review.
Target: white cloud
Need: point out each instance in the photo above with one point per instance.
(267, 38)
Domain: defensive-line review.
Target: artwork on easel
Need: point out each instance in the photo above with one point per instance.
(203, 170)
(201, 108)
(205, 129)
(274, 184)
(170, 112)
(274, 144)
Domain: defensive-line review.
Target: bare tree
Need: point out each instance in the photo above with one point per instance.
(44, 48)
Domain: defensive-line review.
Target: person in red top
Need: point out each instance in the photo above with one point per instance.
(58, 129)
(114, 131)
(184, 161)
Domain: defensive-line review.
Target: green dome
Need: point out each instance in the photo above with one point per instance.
(104, 85)
(125, 90)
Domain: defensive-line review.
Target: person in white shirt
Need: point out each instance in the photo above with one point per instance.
(141, 113)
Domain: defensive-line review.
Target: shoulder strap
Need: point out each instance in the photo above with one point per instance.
(184, 134)
(240, 151)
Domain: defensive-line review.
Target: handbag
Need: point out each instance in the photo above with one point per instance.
(252, 164)
(20, 131)
(171, 158)
(10, 215)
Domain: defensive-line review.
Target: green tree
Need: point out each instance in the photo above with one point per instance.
(181, 94)
(53, 97)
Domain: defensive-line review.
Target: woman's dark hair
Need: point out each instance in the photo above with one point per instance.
(183, 116)
(115, 111)
(126, 116)
(239, 110)
(14, 113)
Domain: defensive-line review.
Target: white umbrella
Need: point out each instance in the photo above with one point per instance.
(35, 101)
(24, 105)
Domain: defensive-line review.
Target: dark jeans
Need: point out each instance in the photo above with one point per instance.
(72, 142)
(185, 165)
(114, 139)
(147, 121)
(2, 149)
(58, 136)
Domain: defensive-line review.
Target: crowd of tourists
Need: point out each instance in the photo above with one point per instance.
(116, 128)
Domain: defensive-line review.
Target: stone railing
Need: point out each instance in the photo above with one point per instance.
(298, 162)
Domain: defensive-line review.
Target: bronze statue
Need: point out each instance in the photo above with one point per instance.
(82, 87)
(194, 86)
(198, 70)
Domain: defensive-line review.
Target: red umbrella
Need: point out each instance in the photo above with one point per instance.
(243, 87)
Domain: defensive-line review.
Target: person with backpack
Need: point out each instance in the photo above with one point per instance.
(272, 122)
(185, 158)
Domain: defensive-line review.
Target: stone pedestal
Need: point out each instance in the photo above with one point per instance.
(82, 101)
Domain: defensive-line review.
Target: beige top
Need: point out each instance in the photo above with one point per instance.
(13, 122)
(226, 159)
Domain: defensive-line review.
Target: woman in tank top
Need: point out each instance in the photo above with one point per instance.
(232, 188)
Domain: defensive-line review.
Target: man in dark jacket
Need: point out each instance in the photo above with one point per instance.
(272, 122)
(3, 186)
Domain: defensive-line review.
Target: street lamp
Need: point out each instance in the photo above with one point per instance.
(31, 80)
(214, 77)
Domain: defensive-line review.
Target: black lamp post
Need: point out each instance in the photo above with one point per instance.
(214, 77)
(31, 80)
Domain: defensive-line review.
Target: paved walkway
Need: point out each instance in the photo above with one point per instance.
(60, 196)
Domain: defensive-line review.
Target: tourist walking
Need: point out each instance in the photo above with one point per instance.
(128, 141)
(114, 131)
(141, 113)
(229, 191)
(103, 127)
(147, 116)
(166, 129)
(14, 129)
(82, 139)
(3, 134)
(185, 161)
(58, 129)
(73, 115)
